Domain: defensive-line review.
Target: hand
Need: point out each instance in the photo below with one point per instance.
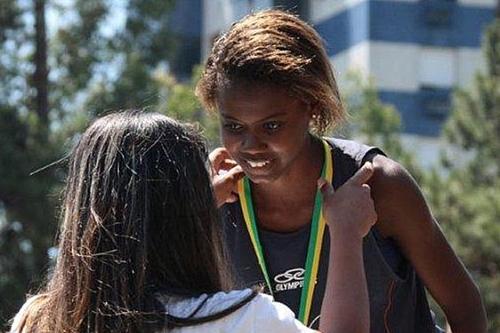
(225, 174)
(350, 210)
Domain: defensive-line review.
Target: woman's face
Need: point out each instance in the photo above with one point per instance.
(263, 128)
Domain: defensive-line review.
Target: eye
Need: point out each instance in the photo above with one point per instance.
(232, 127)
(272, 126)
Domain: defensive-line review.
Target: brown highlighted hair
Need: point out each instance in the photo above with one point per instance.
(138, 217)
(274, 47)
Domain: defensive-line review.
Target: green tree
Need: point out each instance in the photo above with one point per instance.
(78, 49)
(179, 101)
(143, 46)
(47, 80)
(26, 202)
(467, 200)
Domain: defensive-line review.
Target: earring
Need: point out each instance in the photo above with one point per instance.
(314, 116)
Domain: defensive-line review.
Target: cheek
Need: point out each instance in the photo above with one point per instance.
(230, 142)
(293, 142)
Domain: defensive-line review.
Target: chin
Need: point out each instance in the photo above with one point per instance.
(261, 178)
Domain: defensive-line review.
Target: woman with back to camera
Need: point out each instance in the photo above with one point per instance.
(270, 80)
(140, 245)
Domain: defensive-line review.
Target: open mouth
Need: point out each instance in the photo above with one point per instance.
(258, 164)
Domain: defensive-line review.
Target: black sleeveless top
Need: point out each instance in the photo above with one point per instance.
(397, 297)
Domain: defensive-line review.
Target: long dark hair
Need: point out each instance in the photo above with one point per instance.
(138, 216)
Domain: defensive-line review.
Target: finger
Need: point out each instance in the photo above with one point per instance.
(220, 160)
(363, 174)
(233, 176)
(325, 188)
(233, 168)
(217, 156)
(227, 164)
(232, 198)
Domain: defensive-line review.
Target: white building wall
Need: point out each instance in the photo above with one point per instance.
(406, 67)
(218, 15)
(321, 10)
(469, 62)
(438, 67)
(355, 59)
(478, 3)
(394, 66)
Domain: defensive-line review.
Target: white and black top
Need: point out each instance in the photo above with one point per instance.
(260, 314)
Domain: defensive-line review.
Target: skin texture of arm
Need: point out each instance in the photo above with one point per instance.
(404, 216)
(345, 304)
(350, 213)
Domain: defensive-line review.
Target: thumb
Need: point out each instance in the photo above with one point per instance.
(233, 174)
(363, 174)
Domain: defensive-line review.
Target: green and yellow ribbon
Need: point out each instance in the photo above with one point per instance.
(315, 238)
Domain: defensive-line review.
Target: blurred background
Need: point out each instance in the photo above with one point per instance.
(420, 78)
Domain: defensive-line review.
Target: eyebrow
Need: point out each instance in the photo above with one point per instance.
(274, 115)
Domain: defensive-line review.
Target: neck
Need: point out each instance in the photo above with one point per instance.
(287, 203)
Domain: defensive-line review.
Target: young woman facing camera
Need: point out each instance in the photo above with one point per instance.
(270, 80)
(140, 246)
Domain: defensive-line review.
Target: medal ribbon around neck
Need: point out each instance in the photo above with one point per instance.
(315, 239)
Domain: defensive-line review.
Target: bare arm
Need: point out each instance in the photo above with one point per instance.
(345, 305)
(404, 215)
(350, 213)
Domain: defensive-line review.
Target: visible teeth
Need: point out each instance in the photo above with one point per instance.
(259, 164)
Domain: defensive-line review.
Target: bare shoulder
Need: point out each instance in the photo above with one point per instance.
(389, 173)
(399, 202)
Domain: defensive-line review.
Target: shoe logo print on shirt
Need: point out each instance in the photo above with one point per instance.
(291, 279)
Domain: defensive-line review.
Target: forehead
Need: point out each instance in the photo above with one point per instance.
(257, 100)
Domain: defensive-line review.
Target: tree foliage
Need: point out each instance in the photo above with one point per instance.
(467, 200)
(26, 202)
(374, 122)
(92, 70)
(179, 101)
(89, 70)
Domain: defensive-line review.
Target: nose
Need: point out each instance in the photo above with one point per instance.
(252, 144)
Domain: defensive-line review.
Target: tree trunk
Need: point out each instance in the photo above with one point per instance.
(40, 77)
